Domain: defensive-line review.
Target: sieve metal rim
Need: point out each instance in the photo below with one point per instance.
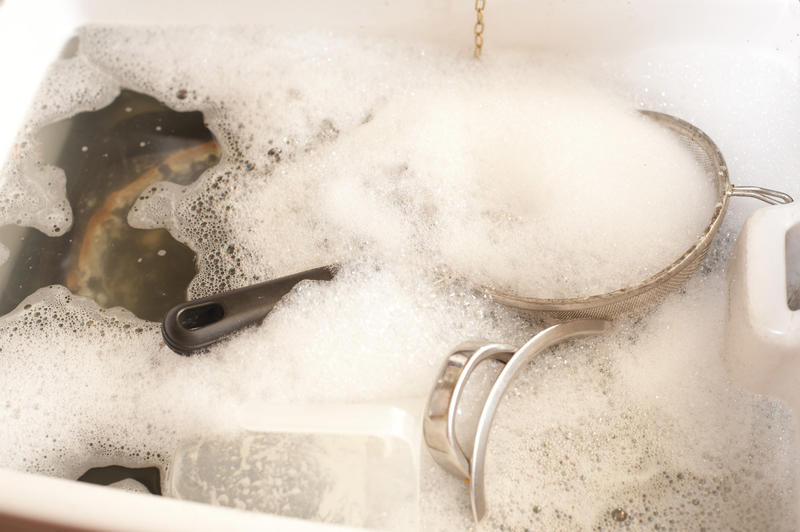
(612, 303)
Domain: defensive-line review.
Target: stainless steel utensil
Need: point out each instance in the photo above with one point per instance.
(439, 422)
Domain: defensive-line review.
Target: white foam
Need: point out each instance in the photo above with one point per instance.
(520, 160)
(33, 193)
(393, 162)
(129, 485)
(67, 366)
(523, 190)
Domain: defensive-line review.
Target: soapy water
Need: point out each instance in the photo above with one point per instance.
(348, 150)
(109, 157)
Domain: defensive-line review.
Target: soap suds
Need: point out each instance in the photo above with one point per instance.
(32, 193)
(434, 174)
(433, 159)
(366, 152)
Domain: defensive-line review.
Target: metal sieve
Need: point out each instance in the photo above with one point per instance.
(651, 290)
(580, 317)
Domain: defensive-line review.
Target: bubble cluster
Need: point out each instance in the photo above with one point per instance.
(67, 368)
(32, 193)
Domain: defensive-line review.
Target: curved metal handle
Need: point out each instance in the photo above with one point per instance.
(545, 339)
(201, 322)
(439, 423)
(767, 195)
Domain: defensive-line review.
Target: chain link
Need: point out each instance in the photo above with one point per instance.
(480, 5)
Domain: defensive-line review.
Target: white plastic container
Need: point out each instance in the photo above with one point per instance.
(619, 35)
(764, 332)
(763, 339)
(353, 464)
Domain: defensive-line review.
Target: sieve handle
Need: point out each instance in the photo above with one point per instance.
(767, 195)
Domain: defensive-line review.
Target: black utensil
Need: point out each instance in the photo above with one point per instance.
(196, 324)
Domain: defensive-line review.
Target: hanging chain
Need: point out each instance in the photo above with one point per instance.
(480, 5)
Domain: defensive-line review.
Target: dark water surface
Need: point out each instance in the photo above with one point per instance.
(110, 156)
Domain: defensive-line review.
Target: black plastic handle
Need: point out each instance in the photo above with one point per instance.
(199, 323)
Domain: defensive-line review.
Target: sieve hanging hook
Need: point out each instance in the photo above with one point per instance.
(767, 195)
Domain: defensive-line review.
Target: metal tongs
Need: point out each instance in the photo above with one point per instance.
(439, 424)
